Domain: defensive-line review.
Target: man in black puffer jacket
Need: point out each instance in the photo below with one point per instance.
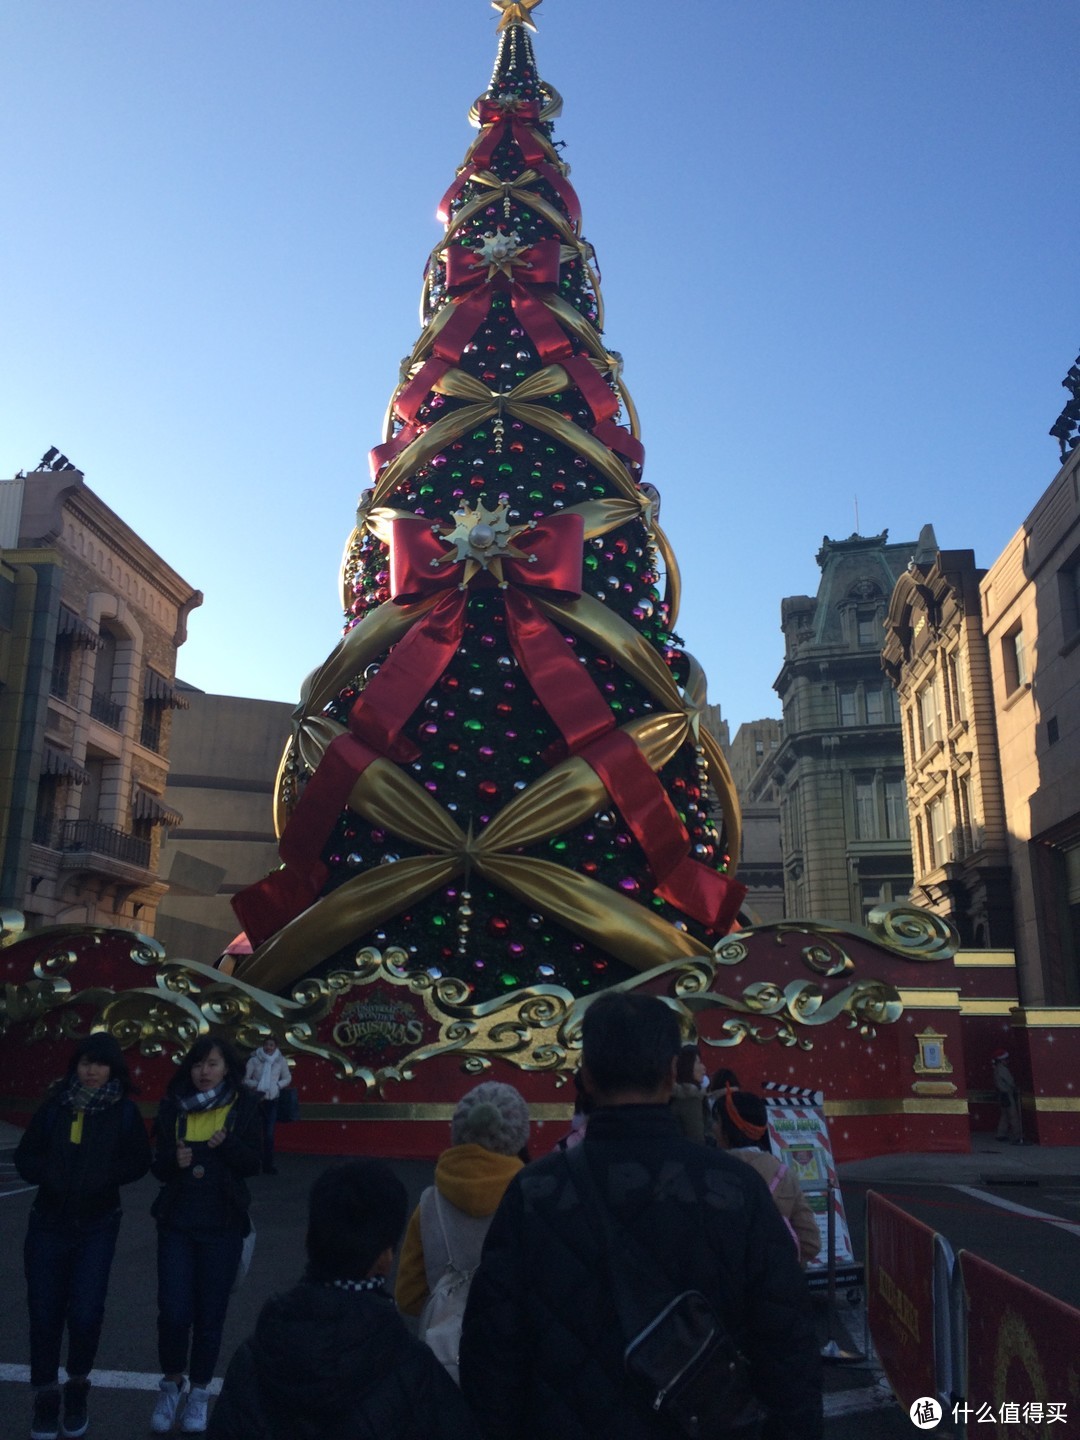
(542, 1346)
(332, 1359)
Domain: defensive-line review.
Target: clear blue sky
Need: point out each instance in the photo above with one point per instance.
(838, 241)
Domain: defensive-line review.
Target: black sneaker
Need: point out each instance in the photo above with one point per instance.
(76, 1420)
(46, 1422)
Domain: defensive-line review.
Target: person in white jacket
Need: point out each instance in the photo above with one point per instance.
(266, 1075)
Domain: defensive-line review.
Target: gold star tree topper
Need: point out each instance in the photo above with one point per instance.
(515, 12)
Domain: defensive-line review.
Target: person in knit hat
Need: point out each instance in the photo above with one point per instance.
(490, 1137)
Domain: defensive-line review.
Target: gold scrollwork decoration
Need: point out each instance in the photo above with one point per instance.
(535, 1028)
(915, 933)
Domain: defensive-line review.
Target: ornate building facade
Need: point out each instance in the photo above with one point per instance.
(92, 619)
(839, 770)
(987, 670)
(1031, 619)
(936, 655)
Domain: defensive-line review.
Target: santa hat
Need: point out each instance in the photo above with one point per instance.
(1000, 1055)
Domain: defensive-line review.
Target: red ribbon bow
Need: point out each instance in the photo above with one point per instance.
(553, 552)
(521, 116)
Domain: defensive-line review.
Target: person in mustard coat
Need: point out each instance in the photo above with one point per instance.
(490, 1134)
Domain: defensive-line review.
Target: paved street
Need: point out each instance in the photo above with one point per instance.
(955, 1194)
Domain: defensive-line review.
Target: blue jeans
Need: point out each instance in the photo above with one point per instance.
(67, 1264)
(196, 1272)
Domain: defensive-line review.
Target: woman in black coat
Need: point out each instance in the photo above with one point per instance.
(206, 1142)
(85, 1141)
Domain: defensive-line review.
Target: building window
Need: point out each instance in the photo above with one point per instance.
(866, 823)
(159, 695)
(793, 816)
(1068, 579)
(896, 812)
(867, 627)
(1014, 657)
(150, 730)
(47, 812)
(920, 847)
(875, 707)
(939, 831)
(880, 802)
(60, 680)
(102, 705)
(847, 698)
(929, 716)
(878, 894)
(959, 686)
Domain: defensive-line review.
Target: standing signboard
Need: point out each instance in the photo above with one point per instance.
(799, 1133)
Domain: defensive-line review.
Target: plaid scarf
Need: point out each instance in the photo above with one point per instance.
(374, 1282)
(77, 1096)
(208, 1099)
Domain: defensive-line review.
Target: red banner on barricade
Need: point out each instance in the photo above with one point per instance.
(900, 1298)
(1022, 1348)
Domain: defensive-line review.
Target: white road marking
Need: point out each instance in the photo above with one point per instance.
(837, 1402)
(102, 1379)
(1016, 1209)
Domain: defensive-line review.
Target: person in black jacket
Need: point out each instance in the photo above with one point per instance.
(85, 1141)
(542, 1343)
(332, 1359)
(206, 1142)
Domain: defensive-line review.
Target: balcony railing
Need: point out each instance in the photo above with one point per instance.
(105, 709)
(101, 839)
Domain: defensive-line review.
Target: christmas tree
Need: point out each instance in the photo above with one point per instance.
(500, 772)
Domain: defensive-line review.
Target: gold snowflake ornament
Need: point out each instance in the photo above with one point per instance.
(482, 538)
(500, 252)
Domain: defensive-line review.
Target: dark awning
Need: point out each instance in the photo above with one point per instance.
(148, 807)
(76, 631)
(159, 691)
(64, 767)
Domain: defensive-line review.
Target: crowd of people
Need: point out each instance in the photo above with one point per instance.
(539, 1287)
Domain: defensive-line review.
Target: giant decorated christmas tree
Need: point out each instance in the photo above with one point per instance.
(500, 773)
(499, 796)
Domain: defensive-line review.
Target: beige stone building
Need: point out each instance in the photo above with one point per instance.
(1031, 619)
(95, 620)
(755, 741)
(839, 770)
(936, 655)
(225, 754)
(761, 864)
